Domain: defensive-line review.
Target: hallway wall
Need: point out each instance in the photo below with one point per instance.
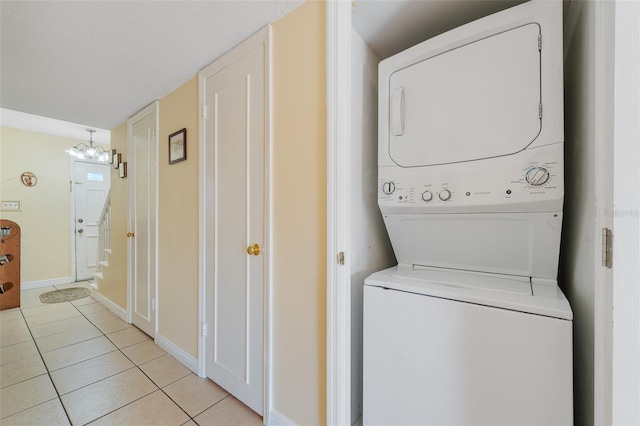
(178, 236)
(45, 218)
(114, 284)
(299, 210)
(299, 153)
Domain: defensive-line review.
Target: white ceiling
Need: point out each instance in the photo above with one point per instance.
(99, 62)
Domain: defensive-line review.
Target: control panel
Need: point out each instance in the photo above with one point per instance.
(498, 184)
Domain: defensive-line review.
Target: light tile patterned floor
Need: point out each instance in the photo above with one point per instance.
(77, 363)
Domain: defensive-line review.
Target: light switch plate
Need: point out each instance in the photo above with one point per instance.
(10, 206)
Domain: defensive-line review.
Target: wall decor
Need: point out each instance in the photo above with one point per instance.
(178, 146)
(115, 159)
(112, 156)
(123, 169)
(28, 179)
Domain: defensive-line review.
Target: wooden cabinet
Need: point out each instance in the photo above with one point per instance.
(9, 264)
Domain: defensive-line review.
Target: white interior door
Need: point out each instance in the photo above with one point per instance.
(625, 337)
(91, 185)
(235, 140)
(142, 254)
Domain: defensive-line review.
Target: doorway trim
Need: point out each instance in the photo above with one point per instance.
(149, 109)
(604, 91)
(338, 24)
(262, 37)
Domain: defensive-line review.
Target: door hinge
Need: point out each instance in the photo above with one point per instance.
(153, 304)
(341, 258)
(204, 111)
(204, 329)
(540, 110)
(607, 248)
(540, 42)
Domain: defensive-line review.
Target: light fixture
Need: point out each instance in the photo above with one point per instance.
(82, 151)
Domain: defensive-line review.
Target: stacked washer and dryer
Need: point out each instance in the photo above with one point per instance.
(471, 327)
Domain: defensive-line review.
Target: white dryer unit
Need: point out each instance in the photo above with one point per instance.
(471, 327)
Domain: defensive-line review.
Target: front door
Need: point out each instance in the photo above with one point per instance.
(142, 175)
(91, 185)
(235, 139)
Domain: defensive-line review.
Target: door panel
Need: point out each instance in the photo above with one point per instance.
(142, 218)
(438, 107)
(235, 145)
(91, 185)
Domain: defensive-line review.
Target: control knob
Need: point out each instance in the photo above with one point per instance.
(445, 195)
(427, 196)
(388, 188)
(537, 176)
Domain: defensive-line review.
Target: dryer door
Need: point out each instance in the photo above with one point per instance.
(477, 101)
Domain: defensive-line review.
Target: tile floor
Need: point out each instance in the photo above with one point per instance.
(77, 363)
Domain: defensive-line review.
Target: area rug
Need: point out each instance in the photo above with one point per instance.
(65, 295)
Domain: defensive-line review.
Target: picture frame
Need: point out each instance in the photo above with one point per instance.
(178, 146)
(115, 160)
(112, 156)
(123, 170)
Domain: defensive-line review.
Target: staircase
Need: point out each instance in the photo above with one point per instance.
(104, 239)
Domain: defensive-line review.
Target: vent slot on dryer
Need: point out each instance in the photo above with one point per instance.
(477, 101)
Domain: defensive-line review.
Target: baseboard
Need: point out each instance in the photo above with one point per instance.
(113, 307)
(178, 353)
(279, 419)
(45, 283)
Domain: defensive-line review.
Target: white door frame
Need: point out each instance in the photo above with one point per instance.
(264, 36)
(149, 109)
(338, 53)
(603, 176)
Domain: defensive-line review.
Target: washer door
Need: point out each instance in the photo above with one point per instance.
(477, 101)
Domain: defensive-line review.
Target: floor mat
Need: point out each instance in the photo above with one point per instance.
(64, 295)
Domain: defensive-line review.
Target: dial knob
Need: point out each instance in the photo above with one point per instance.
(388, 188)
(445, 195)
(537, 176)
(427, 196)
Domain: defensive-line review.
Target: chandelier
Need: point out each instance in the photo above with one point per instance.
(82, 151)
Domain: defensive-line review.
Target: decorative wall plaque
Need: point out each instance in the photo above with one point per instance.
(28, 179)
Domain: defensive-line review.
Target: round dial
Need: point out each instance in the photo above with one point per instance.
(388, 188)
(427, 196)
(445, 195)
(537, 176)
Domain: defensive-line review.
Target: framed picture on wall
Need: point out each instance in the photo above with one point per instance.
(123, 170)
(178, 146)
(115, 159)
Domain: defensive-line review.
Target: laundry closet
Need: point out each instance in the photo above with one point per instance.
(381, 30)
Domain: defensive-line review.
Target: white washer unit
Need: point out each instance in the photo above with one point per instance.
(471, 327)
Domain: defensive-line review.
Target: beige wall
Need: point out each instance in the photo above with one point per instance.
(178, 222)
(114, 284)
(45, 219)
(299, 259)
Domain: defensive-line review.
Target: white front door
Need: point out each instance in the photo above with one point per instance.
(235, 140)
(91, 185)
(142, 175)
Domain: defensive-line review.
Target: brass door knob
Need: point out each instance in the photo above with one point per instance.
(130, 234)
(254, 249)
